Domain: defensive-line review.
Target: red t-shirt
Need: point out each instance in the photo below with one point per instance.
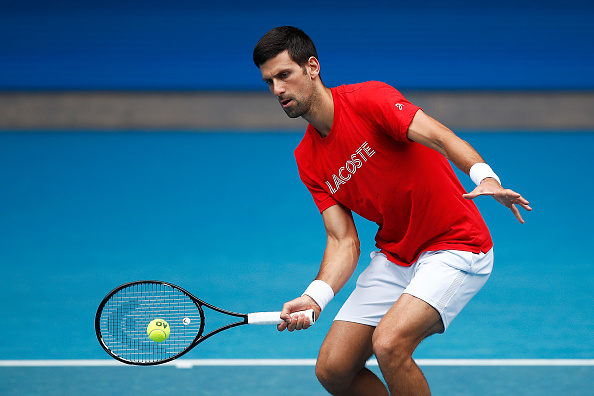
(368, 164)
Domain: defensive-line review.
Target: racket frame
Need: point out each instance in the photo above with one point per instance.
(197, 340)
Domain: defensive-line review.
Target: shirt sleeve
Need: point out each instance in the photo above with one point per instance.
(321, 197)
(386, 108)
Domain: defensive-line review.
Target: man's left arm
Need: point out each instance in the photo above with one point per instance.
(431, 133)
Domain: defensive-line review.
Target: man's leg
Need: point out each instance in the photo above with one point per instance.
(341, 364)
(407, 323)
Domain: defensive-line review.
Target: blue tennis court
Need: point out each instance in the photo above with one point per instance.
(225, 216)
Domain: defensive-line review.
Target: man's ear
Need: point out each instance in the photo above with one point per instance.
(313, 67)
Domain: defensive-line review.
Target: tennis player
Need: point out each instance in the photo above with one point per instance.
(369, 150)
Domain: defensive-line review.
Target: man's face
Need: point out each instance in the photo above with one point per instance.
(290, 83)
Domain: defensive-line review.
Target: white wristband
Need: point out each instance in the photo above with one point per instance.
(480, 171)
(320, 292)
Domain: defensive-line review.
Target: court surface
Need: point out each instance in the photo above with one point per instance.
(225, 216)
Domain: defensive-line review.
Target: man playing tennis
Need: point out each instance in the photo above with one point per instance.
(368, 150)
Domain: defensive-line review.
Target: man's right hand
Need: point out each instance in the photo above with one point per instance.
(297, 322)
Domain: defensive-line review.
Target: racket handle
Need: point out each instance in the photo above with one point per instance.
(270, 318)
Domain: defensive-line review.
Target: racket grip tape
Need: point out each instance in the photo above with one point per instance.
(270, 318)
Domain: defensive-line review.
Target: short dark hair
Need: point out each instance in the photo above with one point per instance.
(279, 39)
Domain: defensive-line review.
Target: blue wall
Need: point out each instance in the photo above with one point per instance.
(187, 45)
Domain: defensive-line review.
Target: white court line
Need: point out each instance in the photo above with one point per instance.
(189, 363)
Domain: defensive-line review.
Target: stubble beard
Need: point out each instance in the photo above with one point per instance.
(300, 108)
(297, 109)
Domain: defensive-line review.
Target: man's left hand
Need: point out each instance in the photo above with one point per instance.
(506, 197)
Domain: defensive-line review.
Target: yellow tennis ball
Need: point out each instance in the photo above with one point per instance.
(158, 330)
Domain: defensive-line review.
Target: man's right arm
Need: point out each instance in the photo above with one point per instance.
(338, 264)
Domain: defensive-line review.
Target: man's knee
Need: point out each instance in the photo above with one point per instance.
(392, 344)
(396, 343)
(334, 375)
(409, 322)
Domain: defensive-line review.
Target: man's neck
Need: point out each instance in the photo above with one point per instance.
(321, 114)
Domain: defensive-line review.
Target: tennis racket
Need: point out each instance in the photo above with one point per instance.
(124, 314)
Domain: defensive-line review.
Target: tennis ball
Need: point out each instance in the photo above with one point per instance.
(158, 330)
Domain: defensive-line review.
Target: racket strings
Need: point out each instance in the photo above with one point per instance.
(127, 314)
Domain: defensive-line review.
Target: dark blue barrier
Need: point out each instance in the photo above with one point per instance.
(190, 45)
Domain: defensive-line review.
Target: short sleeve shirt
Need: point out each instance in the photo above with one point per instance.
(368, 164)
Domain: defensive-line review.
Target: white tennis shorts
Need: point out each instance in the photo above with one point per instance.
(445, 279)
